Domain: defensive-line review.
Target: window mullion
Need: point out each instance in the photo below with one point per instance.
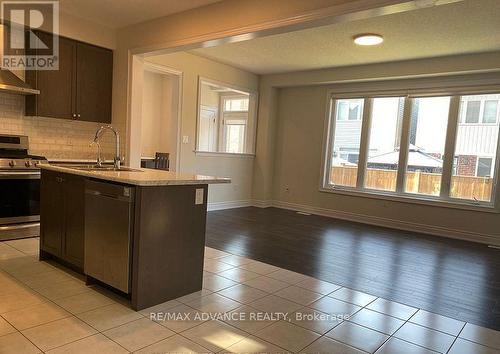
(364, 143)
(404, 145)
(449, 149)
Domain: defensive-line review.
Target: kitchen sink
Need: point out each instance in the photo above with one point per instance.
(103, 168)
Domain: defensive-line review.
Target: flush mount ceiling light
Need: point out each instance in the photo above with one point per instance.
(368, 39)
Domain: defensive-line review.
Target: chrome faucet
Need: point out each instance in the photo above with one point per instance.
(98, 134)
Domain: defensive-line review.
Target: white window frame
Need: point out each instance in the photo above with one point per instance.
(251, 136)
(215, 111)
(479, 114)
(328, 139)
(444, 199)
(223, 125)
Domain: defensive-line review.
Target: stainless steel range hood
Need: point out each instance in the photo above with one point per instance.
(10, 83)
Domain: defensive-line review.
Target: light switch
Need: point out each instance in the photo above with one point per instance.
(198, 199)
(185, 139)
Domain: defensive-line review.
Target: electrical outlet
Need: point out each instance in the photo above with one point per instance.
(198, 199)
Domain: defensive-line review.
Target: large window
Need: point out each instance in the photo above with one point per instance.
(422, 147)
(226, 119)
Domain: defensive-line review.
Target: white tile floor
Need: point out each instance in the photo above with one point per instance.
(245, 307)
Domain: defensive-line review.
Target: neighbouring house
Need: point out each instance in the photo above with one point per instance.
(477, 136)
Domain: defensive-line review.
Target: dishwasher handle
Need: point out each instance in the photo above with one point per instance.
(124, 196)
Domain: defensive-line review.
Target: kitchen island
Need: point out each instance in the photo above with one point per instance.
(140, 232)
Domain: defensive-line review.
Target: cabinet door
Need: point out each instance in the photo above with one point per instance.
(94, 83)
(51, 212)
(57, 87)
(74, 209)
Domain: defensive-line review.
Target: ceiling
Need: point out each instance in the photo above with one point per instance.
(121, 13)
(458, 28)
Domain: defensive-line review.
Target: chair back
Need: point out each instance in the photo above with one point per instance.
(162, 161)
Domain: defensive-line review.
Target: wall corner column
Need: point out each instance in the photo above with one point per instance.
(262, 186)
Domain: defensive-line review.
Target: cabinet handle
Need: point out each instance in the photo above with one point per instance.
(74, 115)
(78, 115)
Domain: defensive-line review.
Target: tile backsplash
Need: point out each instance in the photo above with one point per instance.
(53, 138)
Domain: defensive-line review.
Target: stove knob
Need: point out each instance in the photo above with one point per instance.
(27, 163)
(12, 163)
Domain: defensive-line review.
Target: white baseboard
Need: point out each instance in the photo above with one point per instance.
(387, 222)
(229, 205)
(262, 203)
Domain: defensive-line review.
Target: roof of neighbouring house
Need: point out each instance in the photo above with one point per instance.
(416, 157)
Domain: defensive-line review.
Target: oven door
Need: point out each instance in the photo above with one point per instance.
(19, 203)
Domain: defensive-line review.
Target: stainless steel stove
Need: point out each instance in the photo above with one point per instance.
(19, 188)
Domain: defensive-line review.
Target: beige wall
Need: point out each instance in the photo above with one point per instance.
(298, 150)
(209, 97)
(87, 31)
(239, 168)
(159, 128)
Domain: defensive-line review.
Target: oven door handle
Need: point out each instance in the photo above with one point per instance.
(19, 174)
(18, 226)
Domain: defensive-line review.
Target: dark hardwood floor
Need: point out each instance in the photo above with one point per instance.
(450, 277)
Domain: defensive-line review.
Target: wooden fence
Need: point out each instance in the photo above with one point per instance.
(464, 187)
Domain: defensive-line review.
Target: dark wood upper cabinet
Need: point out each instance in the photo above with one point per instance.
(94, 75)
(57, 87)
(80, 90)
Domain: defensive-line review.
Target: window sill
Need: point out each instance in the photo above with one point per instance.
(413, 199)
(222, 154)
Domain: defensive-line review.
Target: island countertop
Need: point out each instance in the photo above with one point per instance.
(141, 176)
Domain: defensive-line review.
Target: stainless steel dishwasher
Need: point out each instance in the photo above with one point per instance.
(108, 229)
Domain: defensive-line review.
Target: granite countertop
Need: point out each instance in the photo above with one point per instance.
(141, 176)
